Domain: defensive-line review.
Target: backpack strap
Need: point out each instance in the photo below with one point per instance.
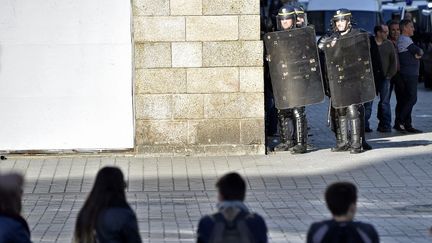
(243, 228)
(239, 223)
(218, 228)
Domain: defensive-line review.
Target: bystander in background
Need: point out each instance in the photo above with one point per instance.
(13, 227)
(409, 60)
(106, 216)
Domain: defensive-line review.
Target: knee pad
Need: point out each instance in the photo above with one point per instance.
(353, 111)
(299, 112)
(340, 112)
(286, 113)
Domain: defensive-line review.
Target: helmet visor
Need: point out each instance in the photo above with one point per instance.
(285, 20)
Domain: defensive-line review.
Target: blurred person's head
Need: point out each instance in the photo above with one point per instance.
(381, 32)
(394, 30)
(385, 31)
(408, 16)
(108, 191)
(395, 16)
(341, 199)
(300, 16)
(231, 187)
(406, 27)
(11, 190)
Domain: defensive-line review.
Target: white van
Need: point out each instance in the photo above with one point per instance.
(366, 13)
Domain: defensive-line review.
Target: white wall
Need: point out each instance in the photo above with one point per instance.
(65, 74)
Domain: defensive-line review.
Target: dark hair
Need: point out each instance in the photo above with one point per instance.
(108, 191)
(232, 187)
(395, 16)
(339, 196)
(392, 22)
(11, 194)
(378, 28)
(403, 23)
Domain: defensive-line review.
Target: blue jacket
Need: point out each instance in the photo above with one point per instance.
(117, 225)
(13, 229)
(256, 225)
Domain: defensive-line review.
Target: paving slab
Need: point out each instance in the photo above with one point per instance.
(170, 194)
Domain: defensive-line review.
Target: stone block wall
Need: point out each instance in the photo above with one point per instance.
(198, 77)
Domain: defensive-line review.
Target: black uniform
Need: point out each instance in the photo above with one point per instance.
(348, 123)
(292, 121)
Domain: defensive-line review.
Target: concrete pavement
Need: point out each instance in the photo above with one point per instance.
(169, 194)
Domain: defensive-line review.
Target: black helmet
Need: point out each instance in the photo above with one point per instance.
(299, 11)
(301, 16)
(286, 12)
(342, 14)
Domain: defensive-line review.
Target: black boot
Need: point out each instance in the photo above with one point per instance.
(341, 131)
(356, 127)
(285, 130)
(356, 139)
(301, 131)
(365, 145)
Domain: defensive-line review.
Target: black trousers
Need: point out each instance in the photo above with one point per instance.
(406, 89)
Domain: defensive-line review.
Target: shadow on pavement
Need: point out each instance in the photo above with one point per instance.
(168, 206)
(386, 143)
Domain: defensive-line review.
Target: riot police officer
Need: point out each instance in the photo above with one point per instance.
(273, 9)
(300, 16)
(347, 120)
(292, 121)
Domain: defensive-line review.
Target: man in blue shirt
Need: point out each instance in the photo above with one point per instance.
(409, 59)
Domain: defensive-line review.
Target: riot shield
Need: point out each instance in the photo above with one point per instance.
(294, 67)
(349, 70)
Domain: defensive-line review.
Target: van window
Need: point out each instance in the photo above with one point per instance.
(321, 20)
(426, 22)
(415, 15)
(388, 14)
